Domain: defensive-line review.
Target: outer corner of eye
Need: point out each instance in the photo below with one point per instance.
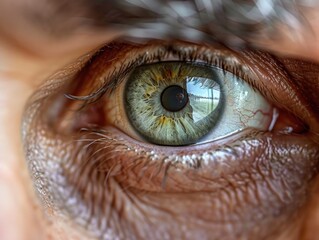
(177, 103)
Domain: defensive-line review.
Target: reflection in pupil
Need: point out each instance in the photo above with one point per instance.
(174, 98)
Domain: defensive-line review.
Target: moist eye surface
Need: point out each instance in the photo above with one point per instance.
(183, 103)
(173, 103)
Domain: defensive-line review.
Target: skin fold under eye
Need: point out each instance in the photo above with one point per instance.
(108, 179)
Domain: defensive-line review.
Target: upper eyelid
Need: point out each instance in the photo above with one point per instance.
(261, 65)
(211, 55)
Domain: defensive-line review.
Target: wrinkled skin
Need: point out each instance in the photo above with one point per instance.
(268, 188)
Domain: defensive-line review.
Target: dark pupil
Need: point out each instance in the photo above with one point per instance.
(174, 98)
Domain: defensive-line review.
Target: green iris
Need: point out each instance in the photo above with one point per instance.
(174, 103)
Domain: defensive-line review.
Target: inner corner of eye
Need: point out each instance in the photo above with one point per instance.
(287, 123)
(178, 103)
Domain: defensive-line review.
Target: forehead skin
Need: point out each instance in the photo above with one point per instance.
(289, 28)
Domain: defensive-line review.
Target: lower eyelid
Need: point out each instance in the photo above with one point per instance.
(148, 168)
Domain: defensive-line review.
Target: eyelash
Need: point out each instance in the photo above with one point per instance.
(189, 54)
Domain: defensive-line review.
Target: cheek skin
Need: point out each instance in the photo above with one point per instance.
(17, 204)
(310, 220)
(20, 215)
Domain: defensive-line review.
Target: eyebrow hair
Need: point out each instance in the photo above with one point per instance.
(233, 22)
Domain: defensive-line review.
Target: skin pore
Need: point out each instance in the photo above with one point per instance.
(288, 205)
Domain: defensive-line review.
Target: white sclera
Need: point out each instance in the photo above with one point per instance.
(244, 108)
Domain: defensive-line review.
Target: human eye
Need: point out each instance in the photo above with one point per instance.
(181, 94)
(96, 161)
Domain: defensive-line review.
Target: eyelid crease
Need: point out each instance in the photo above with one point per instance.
(219, 56)
(111, 81)
(281, 88)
